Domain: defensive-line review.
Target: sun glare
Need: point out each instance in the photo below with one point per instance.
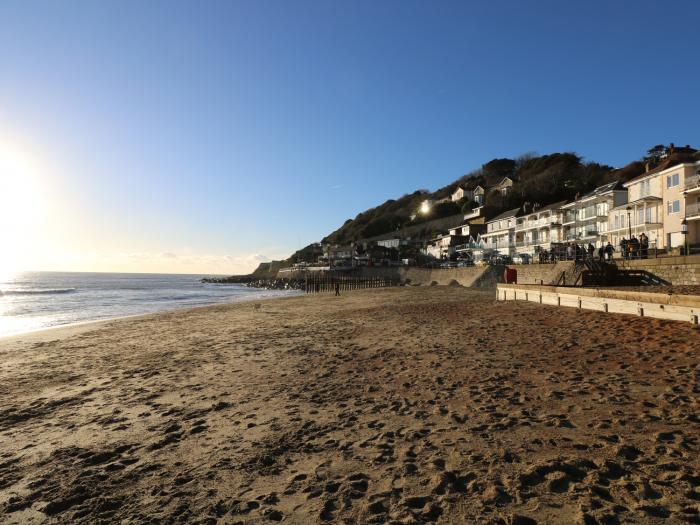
(20, 209)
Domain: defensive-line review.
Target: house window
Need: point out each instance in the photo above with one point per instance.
(673, 207)
(672, 180)
(645, 188)
(617, 222)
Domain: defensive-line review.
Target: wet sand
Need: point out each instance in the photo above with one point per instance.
(405, 405)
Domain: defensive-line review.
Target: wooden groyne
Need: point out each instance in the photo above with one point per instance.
(325, 283)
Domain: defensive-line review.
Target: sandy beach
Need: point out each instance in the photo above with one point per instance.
(402, 405)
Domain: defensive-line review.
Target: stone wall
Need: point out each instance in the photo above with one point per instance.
(679, 271)
(544, 273)
(476, 276)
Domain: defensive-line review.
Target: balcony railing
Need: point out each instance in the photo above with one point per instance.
(692, 209)
(691, 183)
(470, 246)
(540, 223)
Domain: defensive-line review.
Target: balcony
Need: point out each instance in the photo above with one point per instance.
(692, 184)
(469, 246)
(692, 210)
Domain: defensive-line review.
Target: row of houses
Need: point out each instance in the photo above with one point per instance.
(663, 203)
(478, 194)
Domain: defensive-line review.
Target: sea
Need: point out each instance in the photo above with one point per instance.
(33, 301)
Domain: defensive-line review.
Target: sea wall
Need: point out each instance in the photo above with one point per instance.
(679, 271)
(475, 276)
(542, 273)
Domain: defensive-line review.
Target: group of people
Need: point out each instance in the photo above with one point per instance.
(579, 252)
(634, 248)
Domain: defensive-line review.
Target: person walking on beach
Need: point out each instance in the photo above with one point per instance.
(337, 289)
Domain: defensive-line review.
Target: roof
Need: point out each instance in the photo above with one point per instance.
(503, 180)
(556, 205)
(506, 215)
(669, 162)
(605, 188)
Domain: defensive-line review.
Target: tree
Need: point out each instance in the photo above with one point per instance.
(499, 168)
(655, 153)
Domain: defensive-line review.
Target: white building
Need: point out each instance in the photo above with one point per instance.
(538, 230)
(586, 220)
(643, 211)
(500, 232)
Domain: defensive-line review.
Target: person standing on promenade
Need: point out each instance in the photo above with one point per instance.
(609, 249)
(591, 251)
(644, 245)
(570, 251)
(601, 253)
(633, 247)
(623, 247)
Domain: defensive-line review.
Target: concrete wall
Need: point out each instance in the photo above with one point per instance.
(476, 276)
(679, 271)
(547, 273)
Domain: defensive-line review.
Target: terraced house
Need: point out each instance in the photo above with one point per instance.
(537, 231)
(643, 212)
(683, 185)
(500, 232)
(586, 219)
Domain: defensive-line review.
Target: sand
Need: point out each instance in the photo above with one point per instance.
(404, 405)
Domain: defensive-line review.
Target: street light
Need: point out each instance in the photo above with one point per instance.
(629, 220)
(684, 231)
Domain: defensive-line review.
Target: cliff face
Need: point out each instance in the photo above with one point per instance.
(268, 270)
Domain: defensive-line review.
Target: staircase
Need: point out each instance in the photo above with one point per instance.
(599, 273)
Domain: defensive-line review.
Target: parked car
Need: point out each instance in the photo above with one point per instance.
(522, 258)
(500, 259)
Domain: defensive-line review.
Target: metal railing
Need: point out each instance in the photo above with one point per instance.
(691, 182)
(692, 209)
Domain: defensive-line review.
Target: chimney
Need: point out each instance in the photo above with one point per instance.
(647, 167)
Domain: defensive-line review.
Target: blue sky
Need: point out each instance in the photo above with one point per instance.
(205, 136)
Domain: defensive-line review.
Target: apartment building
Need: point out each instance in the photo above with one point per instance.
(500, 232)
(688, 192)
(643, 211)
(538, 230)
(586, 219)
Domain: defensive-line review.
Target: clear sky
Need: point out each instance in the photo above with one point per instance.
(203, 137)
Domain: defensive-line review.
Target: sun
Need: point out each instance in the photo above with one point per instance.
(20, 209)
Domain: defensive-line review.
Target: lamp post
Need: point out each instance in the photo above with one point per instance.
(684, 231)
(629, 220)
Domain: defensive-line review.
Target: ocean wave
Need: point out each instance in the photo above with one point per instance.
(45, 291)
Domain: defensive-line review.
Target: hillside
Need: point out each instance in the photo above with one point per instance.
(536, 179)
(541, 179)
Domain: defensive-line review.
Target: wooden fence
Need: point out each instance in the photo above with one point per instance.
(319, 284)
